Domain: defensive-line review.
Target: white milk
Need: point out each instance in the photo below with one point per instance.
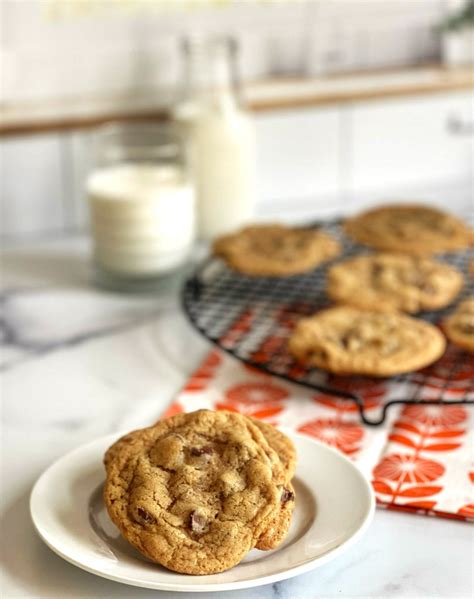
(222, 135)
(224, 163)
(142, 218)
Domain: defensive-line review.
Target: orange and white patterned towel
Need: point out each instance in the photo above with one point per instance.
(420, 460)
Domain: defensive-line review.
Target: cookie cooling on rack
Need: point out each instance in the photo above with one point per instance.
(197, 491)
(409, 228)
(394, 282)
(346, 340)
(459, 326)
(276, 250)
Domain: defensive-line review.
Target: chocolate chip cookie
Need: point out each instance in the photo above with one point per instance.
(275, 250)
(459, 326)
(196, 491)
(278, 527)
(281, 444)
(394, 282)
(346, 340)
(409, 228)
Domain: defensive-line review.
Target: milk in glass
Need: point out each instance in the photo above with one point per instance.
(142, 209)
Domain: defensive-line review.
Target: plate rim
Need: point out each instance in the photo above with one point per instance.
(308, 566)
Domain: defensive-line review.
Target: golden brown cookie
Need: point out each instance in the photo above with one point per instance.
(409, 228)
(346, 340)
(278, 527)
(459, 325)
(283, 446)
(394, 282)
(196, 491)
(285, 449)
(275, 250)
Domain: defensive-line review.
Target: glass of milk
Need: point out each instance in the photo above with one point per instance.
(141, 201)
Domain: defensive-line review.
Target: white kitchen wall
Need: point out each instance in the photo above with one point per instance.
(106, 52)
(364, 34)
(313, 158)
(47, 54)
(32, 185)
(298, 154)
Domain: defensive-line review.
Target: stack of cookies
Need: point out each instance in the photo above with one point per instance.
(197, 491)
(369, 331)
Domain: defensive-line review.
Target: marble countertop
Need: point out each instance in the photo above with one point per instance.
(70, 375)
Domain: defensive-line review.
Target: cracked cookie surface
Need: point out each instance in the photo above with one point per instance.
(409, 228)
(275, 250)
(194, 492)
(394, 282)
(459, 325)
(347, 340)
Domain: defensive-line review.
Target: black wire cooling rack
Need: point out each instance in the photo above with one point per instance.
(251, 318)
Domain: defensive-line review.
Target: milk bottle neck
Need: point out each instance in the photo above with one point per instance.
(211, 81)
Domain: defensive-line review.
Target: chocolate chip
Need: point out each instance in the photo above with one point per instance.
(377, 270)
(197, 522)
(287, 495)
(144, 515)
(346, 341)
(205, 450)
(351, 342)
(467, 328)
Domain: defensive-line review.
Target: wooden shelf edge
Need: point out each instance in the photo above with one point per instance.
(446, 84)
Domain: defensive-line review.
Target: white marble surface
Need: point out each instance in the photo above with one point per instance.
(79, 363)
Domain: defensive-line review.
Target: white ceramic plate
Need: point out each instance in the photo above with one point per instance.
(334, 506)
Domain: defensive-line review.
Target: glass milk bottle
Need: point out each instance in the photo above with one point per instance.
(141, 202)
(223, 136)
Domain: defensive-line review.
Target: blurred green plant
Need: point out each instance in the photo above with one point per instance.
(462, 19)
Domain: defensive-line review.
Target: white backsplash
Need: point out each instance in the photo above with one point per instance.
(32, 195)
(367, 34)
(97, 53)
(314, 157)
